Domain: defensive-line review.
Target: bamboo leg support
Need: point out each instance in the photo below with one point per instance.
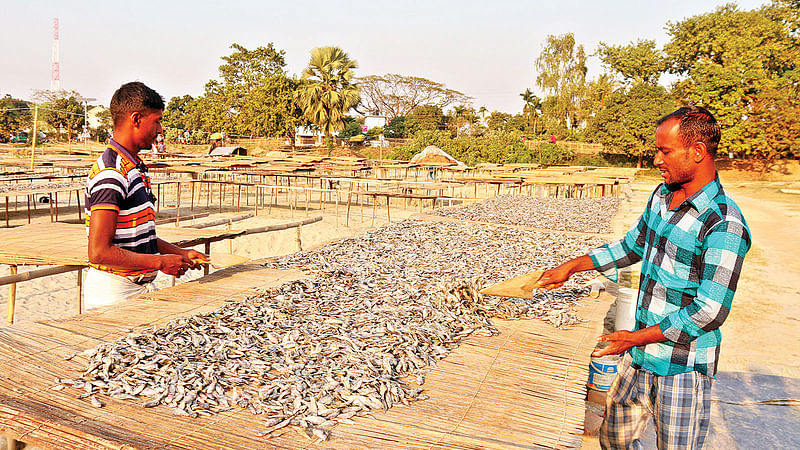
(12, 295)
(299, 241)
(78, 302)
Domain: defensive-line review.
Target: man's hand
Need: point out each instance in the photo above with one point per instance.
(623, 340)
(556, 277)
(175, 265)
(620, 342)
(197, 259)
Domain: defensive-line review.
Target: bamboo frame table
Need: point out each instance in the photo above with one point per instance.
(522, 389)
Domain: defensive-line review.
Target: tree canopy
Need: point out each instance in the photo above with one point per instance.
(727, 57)
(327, 92)
(562, 76)
(15, 115)
(394, 95)
(253, 97)
(639, 62)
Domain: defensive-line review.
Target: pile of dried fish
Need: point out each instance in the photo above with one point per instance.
(382, 307)
(588, 215)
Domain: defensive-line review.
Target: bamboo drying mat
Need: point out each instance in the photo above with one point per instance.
(66, 244)
(524, 388)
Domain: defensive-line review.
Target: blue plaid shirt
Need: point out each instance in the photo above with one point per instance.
(691, 260)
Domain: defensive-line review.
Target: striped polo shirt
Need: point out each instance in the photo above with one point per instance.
(691, 257)
(119, 181)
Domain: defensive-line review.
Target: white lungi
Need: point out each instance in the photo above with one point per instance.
(103, 288)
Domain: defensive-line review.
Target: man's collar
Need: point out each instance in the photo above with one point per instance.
(702, 198)
(123, 151)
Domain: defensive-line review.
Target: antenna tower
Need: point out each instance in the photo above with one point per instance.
(55, 75)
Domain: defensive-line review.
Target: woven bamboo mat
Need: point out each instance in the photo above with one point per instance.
(66, 244)
(521, 389)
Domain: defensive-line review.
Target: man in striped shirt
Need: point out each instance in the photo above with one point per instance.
(691, 240)
(125, 254)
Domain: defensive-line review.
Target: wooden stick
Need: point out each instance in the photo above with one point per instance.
(79, 303)
(349, 196)
(178, 204)
(78, 198)
(12, 294)
(299, 241)
(33, 274)
(374, 205)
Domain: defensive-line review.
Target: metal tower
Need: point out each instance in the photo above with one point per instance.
(55, 76)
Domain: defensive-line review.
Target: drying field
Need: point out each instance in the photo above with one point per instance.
(587, 215)
(359, 334)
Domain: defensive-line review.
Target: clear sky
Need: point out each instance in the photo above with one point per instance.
(485, 49)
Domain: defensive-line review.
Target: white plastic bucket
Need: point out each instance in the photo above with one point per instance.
(602, 371)
(625, 318)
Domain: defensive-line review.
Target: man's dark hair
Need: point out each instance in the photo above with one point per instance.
(695, 124)
(134, 97)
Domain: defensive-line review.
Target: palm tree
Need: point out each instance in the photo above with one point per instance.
(326, 93)
(482, 111)
(533, 106)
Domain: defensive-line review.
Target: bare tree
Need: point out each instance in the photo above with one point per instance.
(395, 95)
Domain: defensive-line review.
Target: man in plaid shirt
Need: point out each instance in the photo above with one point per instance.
(691, 240)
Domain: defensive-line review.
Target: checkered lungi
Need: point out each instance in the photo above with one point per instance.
(679, 404)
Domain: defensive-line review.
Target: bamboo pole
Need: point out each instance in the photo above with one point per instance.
(38, 273)
(12, 294)
(374, 206)
(78, 199)
(178, 204)
(282, 226)
(298, 238)
(35, 121)
(79, 302)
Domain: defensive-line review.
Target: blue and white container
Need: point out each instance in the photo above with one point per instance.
(602, 371)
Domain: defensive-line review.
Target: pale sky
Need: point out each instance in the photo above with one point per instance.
(485, 49)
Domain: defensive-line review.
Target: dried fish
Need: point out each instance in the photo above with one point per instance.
(588, 215)
(375, 314)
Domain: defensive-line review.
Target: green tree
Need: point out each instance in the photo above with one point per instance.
(428, 117)
(327, 93)
(727, 57)
(773, 122)
(15, 115)
(462, 116)
(638, 62)
(562, 77)
(352, 127)
(628, 120)
(105, 126)
(595, 96)
(497, 120)
(400, 127)
(182, 113)
(531, 109)
(62, 111)
(254, 96)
